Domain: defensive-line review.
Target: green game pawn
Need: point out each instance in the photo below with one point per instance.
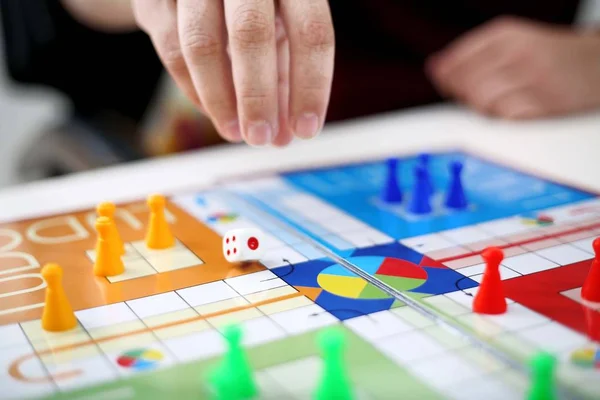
(543, 366)
(221, 383)
(237, 366)
(335, 383)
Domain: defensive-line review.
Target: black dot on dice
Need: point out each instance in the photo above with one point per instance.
(233, 238)
(253, 243)
(234, 251)
(227, 240)
(228, 252)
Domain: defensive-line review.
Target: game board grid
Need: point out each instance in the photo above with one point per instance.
(139, 261)
(276, 320)
(422, 348)
(336, 227)
(519, 332)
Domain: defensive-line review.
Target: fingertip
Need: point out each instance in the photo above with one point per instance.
(307, 126)
(231, 131)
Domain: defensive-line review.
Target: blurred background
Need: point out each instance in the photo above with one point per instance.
(41, 136)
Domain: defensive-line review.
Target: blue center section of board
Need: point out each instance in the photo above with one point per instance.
(493, 191)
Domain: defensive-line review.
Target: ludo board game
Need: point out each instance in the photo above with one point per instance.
(368, 282)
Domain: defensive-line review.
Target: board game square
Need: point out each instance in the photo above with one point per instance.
(505, 227)
(177, 323)
(489, 388)
(553, 337)
(481, 325)
(120, 329)
(145, 356)
(265, 296)
(207, 293)
(465, 235)
(414, 318)
(223, 306)
(281, 257)
(135, 268)
(528, 263)
(466, 296)
(378, 325)
(260, 330)
(456, 369)
(575, 295)
(449, 252)
(475, 272)
(43, 340)
(450, 340)
(131, 254)
(12, 335)
(464, 262)
(140, 247)
(285, 305)
(585, 244)
(299, 376)
(309, 251)
(177, 259)
(517, 317)
(102, 316)
(32, 366)
(303, 319)
(335, 241)
(426, 244)
(484, 244)
(126, 342)
(447, 306)
(255, 282)
(196, 346)
(91, 371)
(572, 237)
(343, 223)
(409, 347)
(158, 304)
(234, 317)
(71, 354)
(540, 244)
(564, 254)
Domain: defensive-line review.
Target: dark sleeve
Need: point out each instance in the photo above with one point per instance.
(98, 72)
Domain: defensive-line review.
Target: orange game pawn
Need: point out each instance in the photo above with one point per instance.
(159, 234)
(591, 287)
(490, 296)
(58, 316)
(108, 258)
(107, 209)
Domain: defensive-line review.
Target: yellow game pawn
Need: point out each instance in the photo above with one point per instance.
(107, 209)
(159, 234)
(58, 316)
(108, 258)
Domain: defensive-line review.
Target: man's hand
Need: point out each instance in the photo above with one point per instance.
(261, 72)
(519, 69)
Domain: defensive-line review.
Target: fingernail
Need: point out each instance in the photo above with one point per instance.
(260, 133)
(232, 130)
(307, 126)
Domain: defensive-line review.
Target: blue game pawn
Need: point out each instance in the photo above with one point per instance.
(456, 198)
(424, 161)
(391, 192)
(419, 203)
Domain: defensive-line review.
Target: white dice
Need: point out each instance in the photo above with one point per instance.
(243, 245)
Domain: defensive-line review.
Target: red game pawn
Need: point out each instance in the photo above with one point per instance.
(490, 296)
(591, 287)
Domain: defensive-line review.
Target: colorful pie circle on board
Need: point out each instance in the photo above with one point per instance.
(140, 359)
(586, 358)
(400, 274)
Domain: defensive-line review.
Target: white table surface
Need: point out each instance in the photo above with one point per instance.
(566, 149)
